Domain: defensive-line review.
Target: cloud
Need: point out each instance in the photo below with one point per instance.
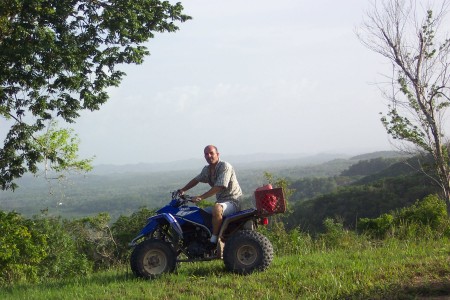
(252, 76)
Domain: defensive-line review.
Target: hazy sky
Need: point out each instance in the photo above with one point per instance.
(286, 76)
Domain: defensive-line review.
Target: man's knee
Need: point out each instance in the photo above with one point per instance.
(217, 210)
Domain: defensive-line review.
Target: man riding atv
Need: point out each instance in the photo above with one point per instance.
(221, 177)
(180, 232)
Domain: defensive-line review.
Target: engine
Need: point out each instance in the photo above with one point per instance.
(196, 242)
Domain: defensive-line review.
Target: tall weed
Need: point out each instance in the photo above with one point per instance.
(288, 242)
(337, 237)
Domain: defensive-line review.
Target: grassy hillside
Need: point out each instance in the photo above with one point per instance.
(390, 270)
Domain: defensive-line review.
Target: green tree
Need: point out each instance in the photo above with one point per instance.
(409, 35)
(59, 148)
(59, 57)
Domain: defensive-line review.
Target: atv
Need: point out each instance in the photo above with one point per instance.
(181, 230)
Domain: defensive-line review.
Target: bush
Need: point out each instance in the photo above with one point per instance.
(63, 259)
(128, 227)
(431, 211)
(378, 227)
(35, 249)
(21, 250)
(424, 219)
(93, 238)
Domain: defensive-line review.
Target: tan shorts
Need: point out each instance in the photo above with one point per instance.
(228, 208)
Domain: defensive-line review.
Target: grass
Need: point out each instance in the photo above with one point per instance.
(392, 270)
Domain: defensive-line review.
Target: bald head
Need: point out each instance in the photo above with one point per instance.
(211, 154)
(211, 146)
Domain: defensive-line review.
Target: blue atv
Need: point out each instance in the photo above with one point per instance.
(180, 232)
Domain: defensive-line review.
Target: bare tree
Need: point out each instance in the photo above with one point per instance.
(409, 34)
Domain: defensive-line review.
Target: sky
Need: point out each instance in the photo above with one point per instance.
(286, 76)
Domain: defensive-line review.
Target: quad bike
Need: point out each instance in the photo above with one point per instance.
(180, 232)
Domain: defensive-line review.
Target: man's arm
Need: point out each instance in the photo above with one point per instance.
(189, 185)
(212, 191)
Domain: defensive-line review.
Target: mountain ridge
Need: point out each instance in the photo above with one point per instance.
(239, 161)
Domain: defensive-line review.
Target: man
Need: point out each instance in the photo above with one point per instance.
(221, 177)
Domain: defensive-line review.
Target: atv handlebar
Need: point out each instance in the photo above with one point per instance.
(176, 195)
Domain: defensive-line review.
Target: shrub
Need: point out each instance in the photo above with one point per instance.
(424, 219)
(35, 249)
(126, 228)
(378, 227)
(21, 250)
(93, 238)
(431, 211)
(63, 258)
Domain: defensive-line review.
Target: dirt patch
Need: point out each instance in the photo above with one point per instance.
(422, 288)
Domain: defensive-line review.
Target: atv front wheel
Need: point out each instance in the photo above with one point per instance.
(152, 258)
(247, 251)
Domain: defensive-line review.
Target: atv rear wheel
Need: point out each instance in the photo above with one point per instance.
(247, 251)
(152, 258)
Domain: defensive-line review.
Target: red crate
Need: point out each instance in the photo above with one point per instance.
(270, 201)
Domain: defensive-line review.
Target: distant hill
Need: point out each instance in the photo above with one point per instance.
(123, 189)
(404, 167)
(378, 154)
(366, 189)
(250, 161)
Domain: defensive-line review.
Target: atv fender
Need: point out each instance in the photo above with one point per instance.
(241, 216)
(154, 222)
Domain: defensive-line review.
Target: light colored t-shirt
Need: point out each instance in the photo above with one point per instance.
(226, 177)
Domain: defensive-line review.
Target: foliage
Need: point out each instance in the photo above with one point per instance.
(126, 228)
(295, 241)
(59, 57)
(94, 238)
(21, 249)
(286, 242)
(430, 211)
(337, 237)
(59, 149)
(426, 218)
(32, 249)
(62, 260)
(377, 227)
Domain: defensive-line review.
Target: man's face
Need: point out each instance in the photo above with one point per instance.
(211, 155)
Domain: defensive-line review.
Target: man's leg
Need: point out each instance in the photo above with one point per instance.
(219, 210)
(217, 217)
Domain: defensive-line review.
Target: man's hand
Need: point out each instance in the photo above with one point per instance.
(196, 199)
